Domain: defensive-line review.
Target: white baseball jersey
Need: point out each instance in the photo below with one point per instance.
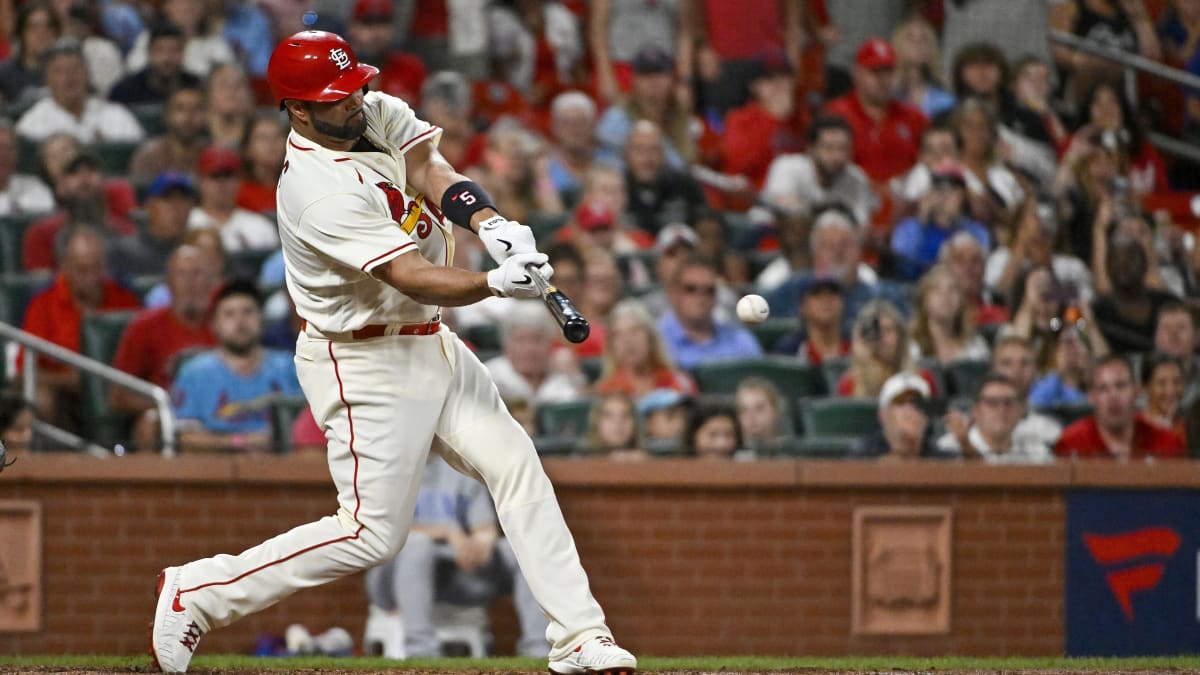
(342, 214)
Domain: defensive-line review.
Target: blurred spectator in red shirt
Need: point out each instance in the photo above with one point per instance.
(372, 32)
(636, 360)
(446, 103)
(178, 147)
(537, 46)
(887, 132)
(156, 339)
(771, 124)
(619, 29)
(84, 198)
(727, 45)
(263, 149)
(1116, 431)
(56, 314)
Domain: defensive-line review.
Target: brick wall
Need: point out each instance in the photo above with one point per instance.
(686, 558)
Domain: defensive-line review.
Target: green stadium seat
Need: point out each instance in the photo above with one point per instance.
(556, 447)
(247, 264)
(284, 411)
(663, 447)
(770, 331)
(794, 379)
(12, 239)
(816, 447)
(1066, 413)
(100, 333)
(832, 370)
(484, 337)
(592, 368)
(545, 225)
(152, 117)
(114, 156)
(559, 420)
(28, 151)
(15, 291)
(142, 285)
(836, 416)
(963, 378)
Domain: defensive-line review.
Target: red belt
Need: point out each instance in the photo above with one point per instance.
(381, 329)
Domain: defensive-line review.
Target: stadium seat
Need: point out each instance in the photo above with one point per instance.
(246, 264)
(663, 447)
(545, 225)
(15, 291)
(793, 379)
(12, 237)
(556, 447)
(484, 337)
(592, 368)
(100, 333)
(963, 378)
(852, 417)
(770, 331)
(152, 117)
(816, 447)
(114, 156)
(28, 160)
(142, 285)
(569, 419)
(832, 370)
(1066, 413)
(284, 411)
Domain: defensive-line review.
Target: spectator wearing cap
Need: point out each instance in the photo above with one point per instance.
(69, 107)
(222, 397)
(886, 131)
(988, 430)
(240, 230)
(834, 251)
(36, 29)
(594, 225)
(169, 200)
(81, 287)
(620, 31)
(371, 30)
(675, 244)
(653, 98)
(157, 339)
(692, 333)
(84, 197)
(904, 422)
(773, 123)
(573, 148)
(19, 193)
(636, 360)
(1115, 430)
(163, 73)
(822, 312)
(178, 147)
(658, 194)
(664, 417)
(797, 181)
(530, 368)
(916, 240)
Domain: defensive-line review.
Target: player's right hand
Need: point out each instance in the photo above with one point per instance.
(512, 280)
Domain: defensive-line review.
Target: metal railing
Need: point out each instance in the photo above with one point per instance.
(35, 346)
(1136, 62)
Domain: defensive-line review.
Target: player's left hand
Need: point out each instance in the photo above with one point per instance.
(504, 238)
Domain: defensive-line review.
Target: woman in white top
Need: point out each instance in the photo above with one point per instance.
(204, 48)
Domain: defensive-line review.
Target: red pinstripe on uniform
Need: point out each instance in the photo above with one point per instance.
(357, 500)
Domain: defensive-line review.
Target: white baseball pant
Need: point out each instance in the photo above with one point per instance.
(382, 403)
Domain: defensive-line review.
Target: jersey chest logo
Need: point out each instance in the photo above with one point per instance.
(413, 215)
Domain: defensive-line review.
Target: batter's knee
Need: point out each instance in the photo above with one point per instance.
(380, 543)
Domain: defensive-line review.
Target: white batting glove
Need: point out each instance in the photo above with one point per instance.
(512, 280)
(504, 238)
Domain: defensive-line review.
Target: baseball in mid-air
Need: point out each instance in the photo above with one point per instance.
(753, 309)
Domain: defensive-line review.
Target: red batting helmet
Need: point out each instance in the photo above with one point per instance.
(313, 65)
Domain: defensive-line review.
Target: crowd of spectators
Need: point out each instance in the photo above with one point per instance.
(970, 244)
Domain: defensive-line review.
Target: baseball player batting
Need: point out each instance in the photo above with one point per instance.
(363, 204)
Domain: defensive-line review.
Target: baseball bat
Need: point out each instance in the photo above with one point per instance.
(575, 327)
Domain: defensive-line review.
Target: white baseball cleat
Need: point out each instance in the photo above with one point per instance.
(598, 655)
(173, 636)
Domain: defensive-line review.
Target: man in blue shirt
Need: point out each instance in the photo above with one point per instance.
(917, 240)
(223, 397)
(690, 330)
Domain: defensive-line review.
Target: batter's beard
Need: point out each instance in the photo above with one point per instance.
(350, 131)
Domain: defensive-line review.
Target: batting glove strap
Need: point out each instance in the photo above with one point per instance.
(504, 238)
(512, 280)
